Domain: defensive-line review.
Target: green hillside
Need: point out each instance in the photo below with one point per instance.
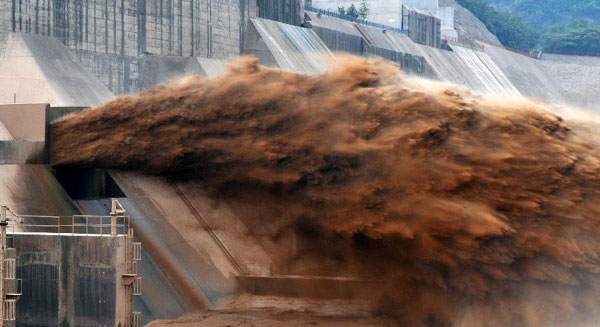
(561, 26)
(542, 14)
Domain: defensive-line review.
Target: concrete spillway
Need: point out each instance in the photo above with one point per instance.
(488, 69)
(194, 247)
(285, 46)
(37, 69)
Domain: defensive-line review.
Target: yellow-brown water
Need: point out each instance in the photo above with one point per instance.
(483, 211)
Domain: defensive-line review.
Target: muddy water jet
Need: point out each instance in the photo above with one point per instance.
(483, 211)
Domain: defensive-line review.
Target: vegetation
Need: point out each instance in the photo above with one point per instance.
(364, 10)
(352, 11)
(512, 31)
(579, 37)
(529, 24)
(544, 14)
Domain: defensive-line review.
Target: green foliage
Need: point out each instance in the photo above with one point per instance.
(578, 37)
(544, 14)
(352, 11)
(363, 10)
(568, 26)
(512, 31)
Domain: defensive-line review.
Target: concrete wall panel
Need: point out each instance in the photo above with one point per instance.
(70, 280)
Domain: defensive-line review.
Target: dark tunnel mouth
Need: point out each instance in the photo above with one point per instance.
(87, 183)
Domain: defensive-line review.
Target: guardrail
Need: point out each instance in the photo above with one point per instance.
(76, 224)
(354, 20)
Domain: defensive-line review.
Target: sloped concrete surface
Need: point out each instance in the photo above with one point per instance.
(576, 77)
(157, 70)
(211, 67)
(285, 46)
(37, 69)
(527, 74)
(468, 26)
(195, 246)
(4, 133)
(33, 190)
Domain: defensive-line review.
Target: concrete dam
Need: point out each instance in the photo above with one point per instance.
(61, 57)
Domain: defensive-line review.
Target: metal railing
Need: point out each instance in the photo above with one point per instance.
(136, 319)
(136, 286)
(10, 268)
(76, 224)
(9, 310)
(354, 20)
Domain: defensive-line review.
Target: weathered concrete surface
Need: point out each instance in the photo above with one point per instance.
(37, 69)
(285, 11)
(576, 77)
(157, 70)
(339, 35)
(160, 298)
(473, 69)
(27, 130)
(22, 152)
(196, 246)
(211, 67)
(468, 26)
(395, 47)
(527, 74)
(4, 133)
(343, 36)
(285, 46)
(25, 121)
(109, 37)
(70, 280)
(32, 189)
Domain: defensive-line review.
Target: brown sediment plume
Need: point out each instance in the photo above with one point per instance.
(483, 211)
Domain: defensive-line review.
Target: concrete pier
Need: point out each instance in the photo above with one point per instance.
(71, 280)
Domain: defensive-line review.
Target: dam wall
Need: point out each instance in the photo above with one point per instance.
(131, 28)
(110, 38)
(462, 66)
(40, 69)
(285, 46)
(70, 280)
(285, 11)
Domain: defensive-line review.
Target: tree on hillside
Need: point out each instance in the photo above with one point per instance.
(578, 37)
(512, 31)
(341, 10)
(352, 11)
(363, 10)
(544, 14)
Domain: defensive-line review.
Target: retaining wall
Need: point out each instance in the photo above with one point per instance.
(70, 280)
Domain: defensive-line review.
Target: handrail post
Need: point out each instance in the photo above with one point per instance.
(72, 225)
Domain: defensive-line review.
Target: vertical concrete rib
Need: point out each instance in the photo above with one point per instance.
(192, 23)
(122, 27)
